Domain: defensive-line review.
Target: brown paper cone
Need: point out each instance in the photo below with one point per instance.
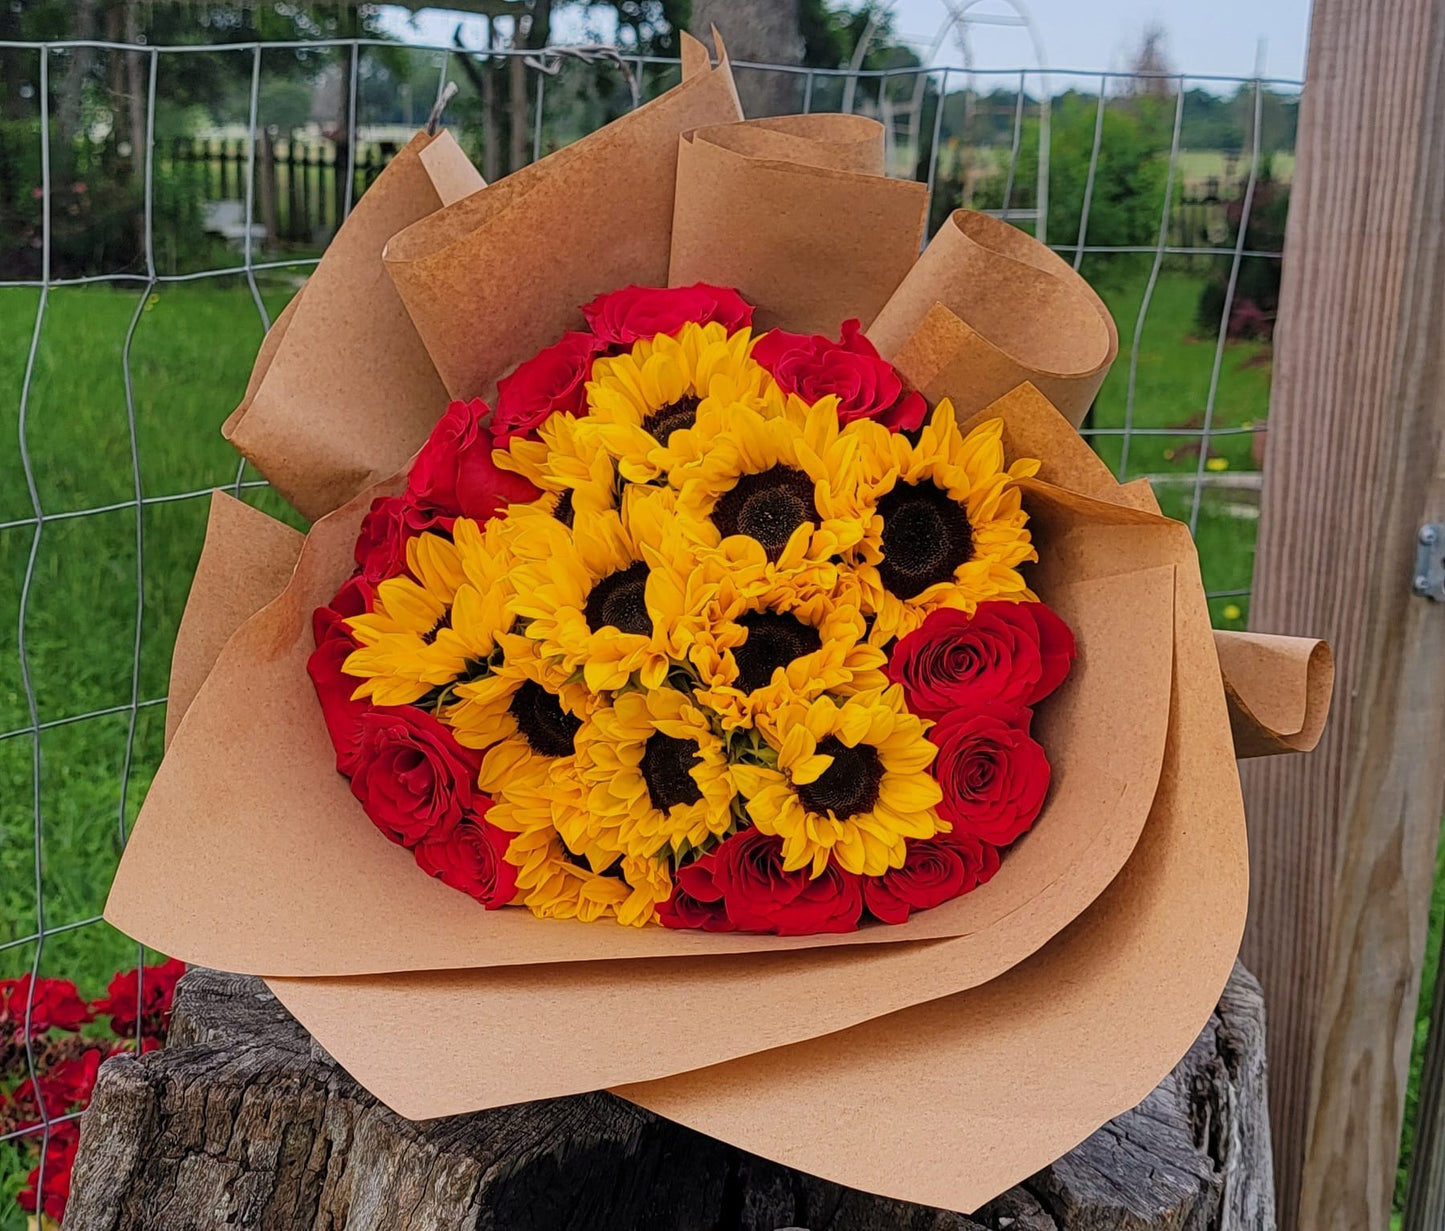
(343, 391)
(245, 562)
(1278, 689)
(987, 308)
(491, 280)
(796, 213)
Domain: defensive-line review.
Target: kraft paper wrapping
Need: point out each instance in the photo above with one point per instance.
(987, 308)
(246, 561)
(343, 391)
(492, 279)
(797, 214)
(1278, 689)
(1009, 1024)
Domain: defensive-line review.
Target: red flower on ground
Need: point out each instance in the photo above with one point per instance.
(334, 687)
(934, 871)
(993, 774)
(143, 997)
(745, 876)
(1007, 653)
(55, 1005)
(454, 472)
(54, 1192)
(866, 385)
(553, 379)
(620, 318)
(472, 859)
(412, 777)
(392, 522)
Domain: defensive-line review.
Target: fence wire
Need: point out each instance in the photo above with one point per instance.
(17, 940)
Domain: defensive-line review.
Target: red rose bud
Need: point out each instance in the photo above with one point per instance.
(334, 687)
(392, 522)
(621, 317)
(472, 859)
(454, 472)
(760, 897)
(696, 900)
(552, 380)
(933, 872)
(414, 780)
(1006, 653)
(866, 385)
(142, 999)
(994, 776)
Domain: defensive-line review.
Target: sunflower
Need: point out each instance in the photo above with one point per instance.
(617, 595)
(772, 638)
(945, 524)
(440, 624)
(656, 774)
(658, 406)
(575, 473)
(554, 885)
(851, 782)
(779, 480)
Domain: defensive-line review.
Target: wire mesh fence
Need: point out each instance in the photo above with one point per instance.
(146, 248)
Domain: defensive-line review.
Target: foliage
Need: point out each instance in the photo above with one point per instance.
(1256, 293)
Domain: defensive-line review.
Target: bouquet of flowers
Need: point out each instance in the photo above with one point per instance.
(754, 590)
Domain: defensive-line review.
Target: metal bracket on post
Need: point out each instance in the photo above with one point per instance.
(1430, 562)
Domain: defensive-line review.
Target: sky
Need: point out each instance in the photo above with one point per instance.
(1225, 37)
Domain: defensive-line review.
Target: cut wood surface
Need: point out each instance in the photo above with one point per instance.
(1342, 841)
(242, 1122)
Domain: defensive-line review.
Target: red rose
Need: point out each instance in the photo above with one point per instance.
(412, 777)
(472, 859)
(142, 997)
(54, 1005)
(1009, 653)
(994, 776)
(454, 472)
(334, 687)
(866, 385)
(696, 900)
(59, 1159)
(385, 531)
(553, 379)
(759, 896)
(933, 871)
(621, 317)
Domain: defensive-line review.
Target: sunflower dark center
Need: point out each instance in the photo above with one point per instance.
(444, 622)
(562, 510)
(849, 785)
(619, 601)
(774, 640)
(665, 765)
(926, 536)
(767, 506)
(548, 728)
(674, 417)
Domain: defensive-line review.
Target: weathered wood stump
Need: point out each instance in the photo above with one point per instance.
(242, 1122)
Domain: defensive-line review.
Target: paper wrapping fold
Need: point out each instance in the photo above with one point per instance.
(797, 214)
(987, 308)
(1278, 690)
(343, 391)
(246, 561)
(493, 279)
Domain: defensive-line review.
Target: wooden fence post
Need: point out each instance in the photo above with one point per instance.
(1342, 842)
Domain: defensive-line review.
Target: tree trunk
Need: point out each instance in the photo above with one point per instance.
(243, 1122)
(763, 32)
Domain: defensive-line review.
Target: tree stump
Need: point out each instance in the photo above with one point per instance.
(243, 1122)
